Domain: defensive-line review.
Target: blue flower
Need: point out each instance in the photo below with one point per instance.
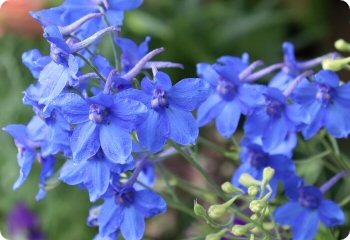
(126, 210)
(274, 119)
(254, 160)
(306, 208)
(35, 62)
(327, 101)
(101, 121)
(169, 110)
(94, 174)
(230, 97)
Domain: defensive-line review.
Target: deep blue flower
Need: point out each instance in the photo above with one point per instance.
(126, 210)
(273, 119)
(254, 160)
(306, 208)
(169, 110)
(230, 97)
(94, 174)
(35, 62)
(102, 121)
(327, 101)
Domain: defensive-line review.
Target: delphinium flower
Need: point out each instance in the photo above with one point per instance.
(230, 96)
(24, 224)
(101, 121)
(327, 101)
(293, 68)
(29, 139)
(273, 119)
(307, 208)
(255, 159)
(169, 110)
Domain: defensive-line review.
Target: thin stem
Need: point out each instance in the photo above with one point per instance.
(166, 179)
(263, 72)
(310, 159)
(91, 65)
(117, 62)
(212, 145)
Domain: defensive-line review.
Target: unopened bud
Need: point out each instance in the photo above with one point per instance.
(199, 210)
(335, 64)
(247, 180)
(239, 230)
(254, 217)
(218, 210)
(227, 187)
(216, 236)
(253, 191)
(268, 173)
(257, 205)
(342, 45)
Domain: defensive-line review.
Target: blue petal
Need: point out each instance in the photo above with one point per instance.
(188, 94)
(210, 109)
(306, 225)
(183, 126)
(48, 169)
(53, 34)
(18, 132)
(256, 123)
(115, 143)
(154, 131)
(250, 96)
(138, 95)
(275, 133)
(327, 77)
(149, 203)
(163, 80)
(297, 114)
(110, 217)
(337, 120)
(133, 225)
(97, 176)
(147, 85)
(25, 161)
(72, 172)
(206, 72)
(317, 115)
(53, 78)
(74, 108)
(331, 214)
(288, 213)
(228, 119)
(85, 141)
(125, 4)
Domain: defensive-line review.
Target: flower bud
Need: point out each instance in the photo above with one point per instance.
(227, 187)
(216, 236)
(199, 210)
(254, 217)
(268, 173)
(336, 64)
(247, 180)
(216, 211)
(342, 45)
(253, 191)
(257, 205)
(239, 230)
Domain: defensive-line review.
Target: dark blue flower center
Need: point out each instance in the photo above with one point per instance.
(159, 99)
(126, 197)
(310, 197)
(226, 89)
(324, 93)
(257, 159)
(98, 113)
(273, 107)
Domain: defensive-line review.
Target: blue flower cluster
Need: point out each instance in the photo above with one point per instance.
(92, 116)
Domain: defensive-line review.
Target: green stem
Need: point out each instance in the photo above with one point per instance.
(211, 145)
(114, 47)
(91, 65)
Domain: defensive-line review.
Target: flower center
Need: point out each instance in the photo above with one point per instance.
(257, 159)
(226, 89)
(324, 93)
(310, 197)
(159, 100)
(125, 198)
(98, 113)
(273, 107)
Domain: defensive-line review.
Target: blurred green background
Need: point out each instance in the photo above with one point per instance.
(191, 31)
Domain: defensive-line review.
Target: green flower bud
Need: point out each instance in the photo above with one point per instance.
(227, 187)
(247, 180)
(240, 230)
(253, 191)
(268, 173)
(335, 64)
(199, 210)
(216, 236)
(257, 205)
(342, 45)
(254, 217)
(218, 210)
